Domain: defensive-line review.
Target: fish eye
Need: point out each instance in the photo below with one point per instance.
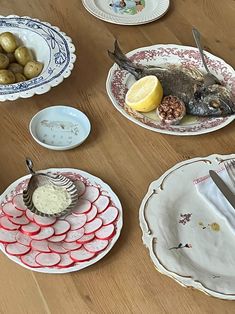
(214, 104)
(197, 95)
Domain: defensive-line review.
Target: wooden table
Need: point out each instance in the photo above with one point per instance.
(124, 155)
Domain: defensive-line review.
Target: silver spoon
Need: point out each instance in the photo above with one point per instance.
(209, 78)
(39, 179)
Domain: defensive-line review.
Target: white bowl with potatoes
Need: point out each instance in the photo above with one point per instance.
(34, 56)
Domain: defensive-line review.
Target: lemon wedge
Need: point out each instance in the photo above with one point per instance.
(145, 95)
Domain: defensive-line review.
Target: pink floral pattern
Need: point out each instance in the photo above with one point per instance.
(185, 56)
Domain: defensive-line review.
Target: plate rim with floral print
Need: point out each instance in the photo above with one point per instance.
(118, 80)
(183, 235)
(17, 186)
(149, 14)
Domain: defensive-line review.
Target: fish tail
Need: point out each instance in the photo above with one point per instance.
(125, 63)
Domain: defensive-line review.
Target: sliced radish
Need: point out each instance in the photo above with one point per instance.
(82, 207)
(40, 246)
(65, 261)
(102, 203)
(93, 226)
(10, 210)
(91, 193)
(80, 187)
(71, 246)
(105, 232)
(76, 222)
(86, 238)
(7, 224)
(57, 238)
(29, 215)
(44, 221)
(17, 249)
(18, 202)
(44, 233)
(109, 215)
(23, 239)
(81, 255)
(19, 220)
(92, 213)
(8, 236)
(57, 248)
(31, 229)
(96, 245)
(74, 235)
(29, 259)
(61, 227)
(47, 259)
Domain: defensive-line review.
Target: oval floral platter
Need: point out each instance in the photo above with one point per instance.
(187, 238)
(119, 81)
(127, 12)
(65, 244)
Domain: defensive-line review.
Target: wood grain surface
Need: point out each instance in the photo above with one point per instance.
(123, 154)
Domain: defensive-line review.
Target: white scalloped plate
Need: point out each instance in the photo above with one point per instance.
(119, 81)
(177, 226)
(20, 184)
(50, 46)
(131, 14)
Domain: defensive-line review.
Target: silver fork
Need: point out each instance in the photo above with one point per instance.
(230, 167)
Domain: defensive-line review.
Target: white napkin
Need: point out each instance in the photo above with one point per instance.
(211, 194)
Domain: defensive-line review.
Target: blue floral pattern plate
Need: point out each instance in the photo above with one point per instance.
(49, 46)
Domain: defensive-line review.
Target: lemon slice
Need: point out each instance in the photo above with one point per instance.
(145, 95)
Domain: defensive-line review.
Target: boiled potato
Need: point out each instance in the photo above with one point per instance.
(32, 69)
(19, 77)
(11, 57)
(4, 61)
(6, 77)
(23, 55)
(8, 42)
(16, 68)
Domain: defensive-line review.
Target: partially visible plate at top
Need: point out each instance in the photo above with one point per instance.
(129, 12)
(187, 238)
(119, 81)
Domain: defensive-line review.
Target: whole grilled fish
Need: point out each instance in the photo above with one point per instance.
(187, 84)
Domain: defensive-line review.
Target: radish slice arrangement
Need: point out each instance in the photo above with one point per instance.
(48, 242)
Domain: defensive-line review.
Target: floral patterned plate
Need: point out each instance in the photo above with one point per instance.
(127, 12)
(187, 239)
(87, 240)
(119, 81)
(49, 45)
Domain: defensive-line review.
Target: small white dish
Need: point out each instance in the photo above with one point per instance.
(60, 127)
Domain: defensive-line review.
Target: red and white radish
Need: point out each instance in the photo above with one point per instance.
(74, 235)
(82, 207)
(81, 187)
(10, 210)
(29, 215)
(44, 233)
(105, 232)
(56, 239)
(18, 202)
(65, 261)
(93, 226)
(17, 249)
(81, 255)
(23, 238)
(61, 227)
(22, 221)
(92, 213)
(29, 259)
(7, 224)
(109, 215)
(31, 229)
(57, 248)
(8, 236)
(86, 238)
(102, 203)
(71, 246)
(91, 193)
(44, 221)
(47, 259)
(76, 222)
(40, 246)
(96, 245)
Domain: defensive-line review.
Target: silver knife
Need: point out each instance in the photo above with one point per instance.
(225, 190)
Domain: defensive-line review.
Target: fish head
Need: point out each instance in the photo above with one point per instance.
(214, 100)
